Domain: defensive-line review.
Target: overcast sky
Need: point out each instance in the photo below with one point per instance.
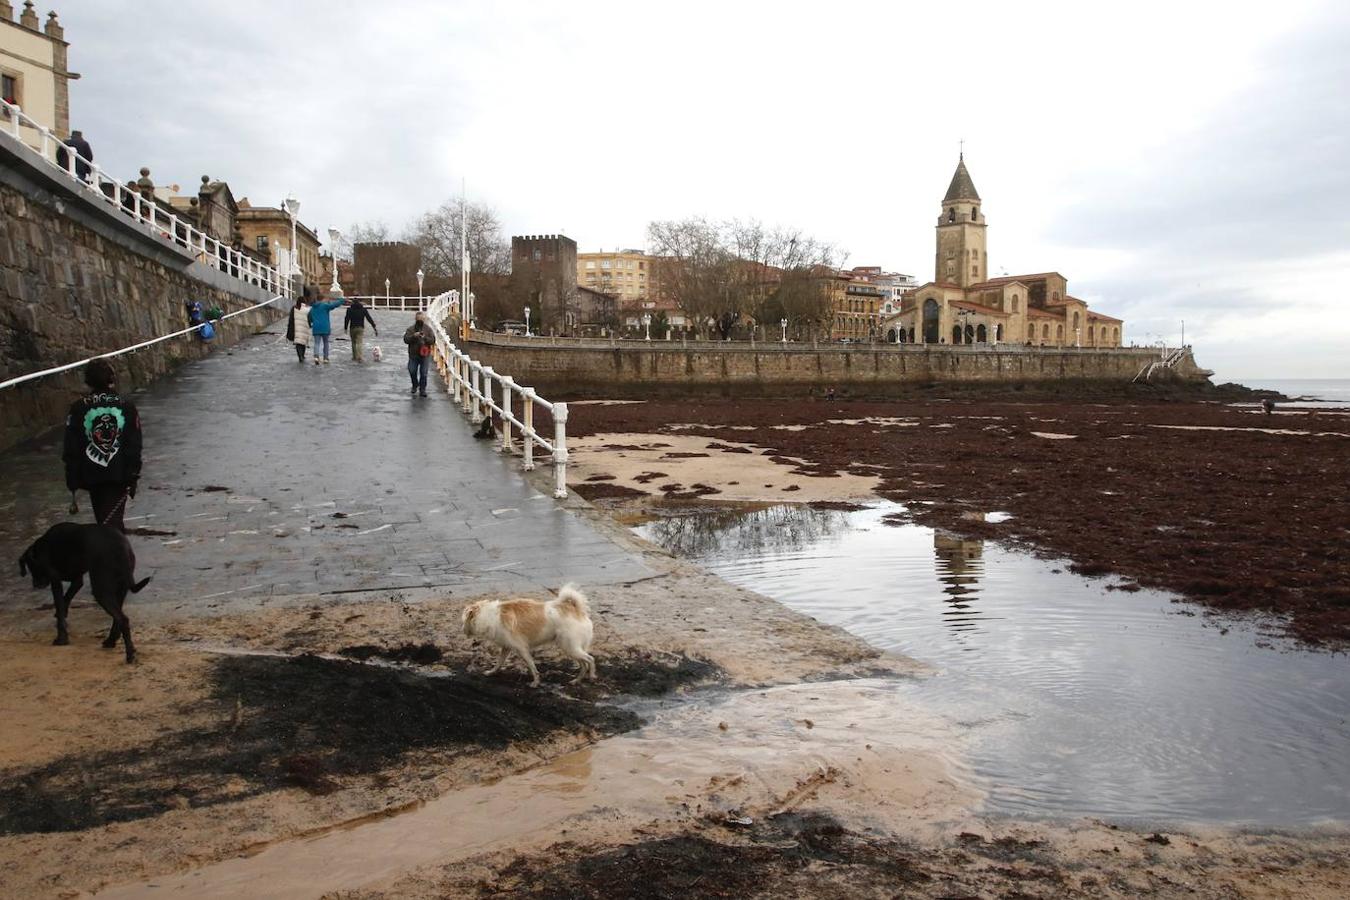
(1175, 160)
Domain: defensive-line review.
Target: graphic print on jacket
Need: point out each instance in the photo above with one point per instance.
(103, 427)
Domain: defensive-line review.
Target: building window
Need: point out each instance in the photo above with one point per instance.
(538, 255)
(951, 214)
(605, 264)
(1014, 308)
(590, 264)
(262, 242)
(975, 271)
(974, 214)
(9, 89)
(1054, 296)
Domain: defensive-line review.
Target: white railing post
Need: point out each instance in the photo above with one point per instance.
(508, 388)
(528, 418)
(466, 367)
(560, 451)
(489, 376)
(476, 379)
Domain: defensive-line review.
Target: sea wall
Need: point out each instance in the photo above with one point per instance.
(632, 368)
(79, 278)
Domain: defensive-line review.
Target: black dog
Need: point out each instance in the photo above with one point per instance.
(65, 553)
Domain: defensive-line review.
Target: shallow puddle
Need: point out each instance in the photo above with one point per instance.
(1074, 700)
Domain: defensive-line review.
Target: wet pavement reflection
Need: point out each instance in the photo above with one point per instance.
(1078, 700)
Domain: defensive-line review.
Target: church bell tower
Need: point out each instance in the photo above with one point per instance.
(961, 256)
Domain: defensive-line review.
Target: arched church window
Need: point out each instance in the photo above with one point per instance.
(1045, 332)
(1115, 335)
(974, 214)
(1055, 296)
(951, 214)
(1075, 321)
(1014, 308)
(956, 334)
(1059, 334)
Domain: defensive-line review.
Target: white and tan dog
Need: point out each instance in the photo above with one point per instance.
(521, 625)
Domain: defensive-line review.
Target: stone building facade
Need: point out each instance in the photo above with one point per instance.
(34, 71)
(963, 305)
(267, 230)
(544, 277)
(375, 261)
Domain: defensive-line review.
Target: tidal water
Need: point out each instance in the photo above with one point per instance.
(1077, 700)
(1323, 392)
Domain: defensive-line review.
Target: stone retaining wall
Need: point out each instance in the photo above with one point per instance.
(79, 278)
(633, 370)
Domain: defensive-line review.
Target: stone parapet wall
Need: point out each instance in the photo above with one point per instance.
(627, 369)
(78, 279)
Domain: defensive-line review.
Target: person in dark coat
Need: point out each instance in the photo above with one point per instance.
(420, 340)
(85, 155)
(355, 325)
(102, 447)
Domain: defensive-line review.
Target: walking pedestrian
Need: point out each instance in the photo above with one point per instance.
(321, 326)
(355, 325)
(102, 448)
(84, 154)
(420, 340)
(297, 327)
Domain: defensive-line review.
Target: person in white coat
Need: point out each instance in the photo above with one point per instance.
(297, 328)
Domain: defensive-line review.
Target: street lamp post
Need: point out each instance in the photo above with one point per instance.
(647, 324)
(292, 206)
(386, 292)
(333, 236)
(527, 321)
(783, 324)
(420, 276)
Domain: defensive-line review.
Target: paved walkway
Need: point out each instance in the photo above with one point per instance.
(337, 481)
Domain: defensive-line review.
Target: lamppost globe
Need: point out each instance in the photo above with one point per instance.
(386, 291)
(420, 276)
(647, 324)
(527, 321)
(333, 237)
(292, 207)
(783, 323)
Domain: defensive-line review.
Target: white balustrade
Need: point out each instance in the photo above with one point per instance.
(472, 384)
(96, 184)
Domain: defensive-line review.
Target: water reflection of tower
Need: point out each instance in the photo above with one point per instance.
(959, 564)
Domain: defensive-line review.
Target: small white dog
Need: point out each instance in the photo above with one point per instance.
(377, 353)
(522, 625)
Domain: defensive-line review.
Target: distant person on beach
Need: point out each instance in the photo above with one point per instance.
(420, 340)
(355, 325)
(321, 326)
(102, 447)
(297, 326)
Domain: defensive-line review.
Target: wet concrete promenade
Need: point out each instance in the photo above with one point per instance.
(267, 479)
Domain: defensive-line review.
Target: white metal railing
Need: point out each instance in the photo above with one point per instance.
(384, 301)
(56, 370)
(479, 391)
(96, 184)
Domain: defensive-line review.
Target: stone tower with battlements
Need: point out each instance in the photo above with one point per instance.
(962, 257)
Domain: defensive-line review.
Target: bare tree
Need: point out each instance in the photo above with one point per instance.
(368, 232)
(437, 232)
(741, 272)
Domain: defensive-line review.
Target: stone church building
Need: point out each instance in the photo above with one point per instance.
(963, 305)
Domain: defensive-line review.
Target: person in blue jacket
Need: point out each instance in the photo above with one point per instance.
(321, 327)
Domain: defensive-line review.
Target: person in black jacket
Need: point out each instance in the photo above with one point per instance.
(355, 325)
(102, 450)
(85, 155)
